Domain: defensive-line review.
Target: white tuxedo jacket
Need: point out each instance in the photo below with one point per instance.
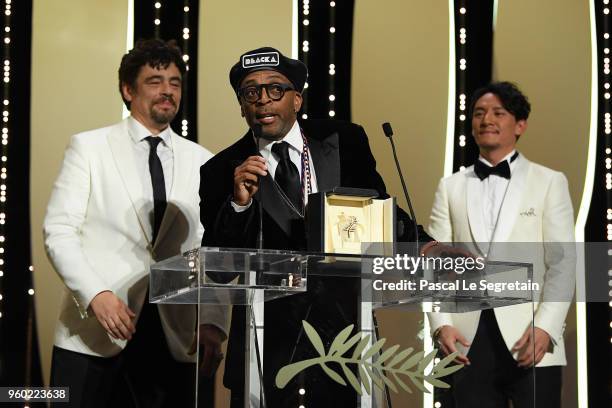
(98, 233)
(537, 209)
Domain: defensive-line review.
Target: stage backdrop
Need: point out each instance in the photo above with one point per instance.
(228, 29)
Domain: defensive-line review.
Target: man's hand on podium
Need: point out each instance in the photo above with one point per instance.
(447, 337)
(211, 338)
(114, 315)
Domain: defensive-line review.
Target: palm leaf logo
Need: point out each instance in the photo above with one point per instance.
(391, 368)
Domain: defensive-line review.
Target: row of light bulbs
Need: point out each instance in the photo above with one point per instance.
(461, 83)
(306, 48)
(157, 6)
(5, 137)
(607, 131)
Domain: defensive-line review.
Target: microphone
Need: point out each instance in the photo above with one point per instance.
(259, 262)
(257, 134)
(389, 133)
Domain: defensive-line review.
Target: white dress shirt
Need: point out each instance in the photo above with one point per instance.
(493, 190)
(296, 146)
(138, 134)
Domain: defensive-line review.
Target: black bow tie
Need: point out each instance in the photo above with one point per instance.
(502, 169)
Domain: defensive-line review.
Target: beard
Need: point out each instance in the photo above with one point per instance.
(163, 117)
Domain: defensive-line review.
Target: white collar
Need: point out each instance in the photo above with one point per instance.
(138, 132)
(293, 137)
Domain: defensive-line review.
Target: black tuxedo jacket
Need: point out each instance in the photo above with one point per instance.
(341, 156)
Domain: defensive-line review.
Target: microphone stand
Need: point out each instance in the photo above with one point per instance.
(259, 243)
(260, 265)
(389, 133)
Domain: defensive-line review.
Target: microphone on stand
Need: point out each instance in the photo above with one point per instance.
(259, 262)
(389, 133)
(257, 134)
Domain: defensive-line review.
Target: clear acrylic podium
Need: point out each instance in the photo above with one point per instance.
(225, 276)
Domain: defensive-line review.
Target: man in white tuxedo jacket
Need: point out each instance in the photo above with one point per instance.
(126, 197)
(506, 198)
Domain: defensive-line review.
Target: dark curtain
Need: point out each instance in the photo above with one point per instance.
(19, 354)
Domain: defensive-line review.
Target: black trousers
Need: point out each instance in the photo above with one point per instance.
(144, 374)
(493, 378)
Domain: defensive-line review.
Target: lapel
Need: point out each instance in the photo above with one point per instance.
(274, 204)
(181, 169)
(514, 196)
(325, 154)
(123, 154)
(473, 204)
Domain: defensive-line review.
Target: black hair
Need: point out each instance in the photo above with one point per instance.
(511, 97)
(155, 53)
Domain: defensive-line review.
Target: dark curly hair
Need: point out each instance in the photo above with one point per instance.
(155, 53)
(511, 97)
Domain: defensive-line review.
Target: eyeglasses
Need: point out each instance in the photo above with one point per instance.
(252, 93)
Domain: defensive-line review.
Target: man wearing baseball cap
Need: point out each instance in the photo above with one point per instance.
(292, 159)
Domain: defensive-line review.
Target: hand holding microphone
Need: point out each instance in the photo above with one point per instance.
(246, 175)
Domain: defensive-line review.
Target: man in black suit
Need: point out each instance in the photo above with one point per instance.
(294, 158)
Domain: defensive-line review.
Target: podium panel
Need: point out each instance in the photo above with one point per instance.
(305, 329)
